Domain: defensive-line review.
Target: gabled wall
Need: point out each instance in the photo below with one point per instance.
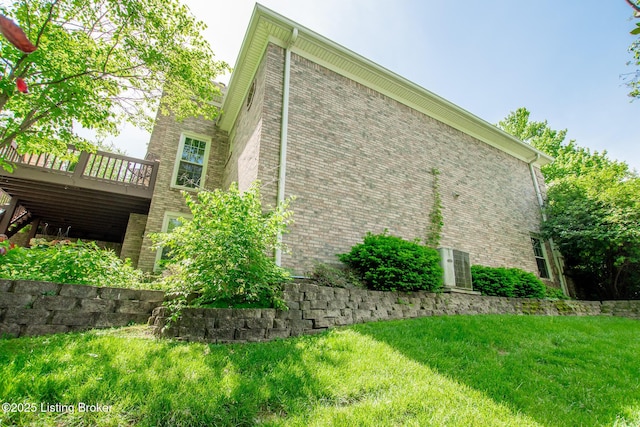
(359, 161)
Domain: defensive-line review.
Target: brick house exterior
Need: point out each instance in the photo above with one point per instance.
(361, 145)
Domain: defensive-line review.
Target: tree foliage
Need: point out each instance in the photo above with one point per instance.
(98, 63)
(634, 78)
(592, 210)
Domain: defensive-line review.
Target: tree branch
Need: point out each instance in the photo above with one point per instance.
(634, 6)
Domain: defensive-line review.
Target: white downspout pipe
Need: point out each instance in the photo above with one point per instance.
(554, 251)
(284, 125)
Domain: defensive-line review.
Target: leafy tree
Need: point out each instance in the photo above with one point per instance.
(570, 158)
(634, 80)
(595, 221)
(98, 63)
(593, 211)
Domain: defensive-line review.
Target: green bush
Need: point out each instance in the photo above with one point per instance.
(63, 261)
(555, 293)
(222, 253)
(506, 282)
(327, 275)
(389, 263)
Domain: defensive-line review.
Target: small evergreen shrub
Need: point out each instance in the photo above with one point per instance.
(506, 282)
(389, 263)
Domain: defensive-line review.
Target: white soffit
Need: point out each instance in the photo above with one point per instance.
(267, 26)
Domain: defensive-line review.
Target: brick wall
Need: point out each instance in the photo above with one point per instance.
(163, 145)
(132, 242)
(314, 309)
(40, 308)
(359, 161)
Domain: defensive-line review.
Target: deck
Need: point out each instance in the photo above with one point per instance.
(80, 194)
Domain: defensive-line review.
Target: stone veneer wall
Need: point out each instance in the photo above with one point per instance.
(40, 308)
(313, 309)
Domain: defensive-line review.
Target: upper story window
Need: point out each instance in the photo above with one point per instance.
(541, 258)
(191, 162)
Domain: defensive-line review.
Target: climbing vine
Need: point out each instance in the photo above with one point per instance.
(436, 220)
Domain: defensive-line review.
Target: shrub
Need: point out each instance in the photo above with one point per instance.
(555, 293)
(63, 261)
(389, 263)
(222, 252)
(506, 282)
(326, 275)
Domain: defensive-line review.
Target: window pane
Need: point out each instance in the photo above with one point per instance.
(193, 151)
(542, 268)
(540, 259)
(189, 175)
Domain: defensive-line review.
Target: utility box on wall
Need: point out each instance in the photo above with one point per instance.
(456, 270)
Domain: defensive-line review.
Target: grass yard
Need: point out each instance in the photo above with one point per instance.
(438, 371)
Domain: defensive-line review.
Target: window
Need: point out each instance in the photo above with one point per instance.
(540, 253)
(250, 95)
(191, 162)
(171, 221)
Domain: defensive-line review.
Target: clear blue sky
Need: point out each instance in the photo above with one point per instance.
(563, 60)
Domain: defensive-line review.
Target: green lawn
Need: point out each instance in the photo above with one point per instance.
(438, 371)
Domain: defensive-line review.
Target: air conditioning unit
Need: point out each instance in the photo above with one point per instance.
(456, 269)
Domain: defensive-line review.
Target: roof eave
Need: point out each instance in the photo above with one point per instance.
(267, 26)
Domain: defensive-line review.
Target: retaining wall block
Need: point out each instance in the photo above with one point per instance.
(318, 304)
(72, 318)
(97, 305)
(78, 291)
(111, 320)
(295, 305)
(191, 333)
(11, 300)
(33, 330)
(247, 313)
(250, 334)
(27, 316)
(35, 288)
(280, 323)
(9, 329)
(56, 303)
(217, 334)
(152, 296)
(278, 333)
(262, 323)
(119, 294)
(6, 285)
(134, 307)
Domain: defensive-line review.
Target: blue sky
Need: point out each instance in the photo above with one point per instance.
(563, 60)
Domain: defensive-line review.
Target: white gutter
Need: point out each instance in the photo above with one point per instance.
(284, 125)
(554, 252)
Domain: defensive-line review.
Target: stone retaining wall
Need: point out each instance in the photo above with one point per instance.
(39, 308)
(313, 309)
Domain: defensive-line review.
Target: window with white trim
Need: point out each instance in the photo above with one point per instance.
(171, 220)
(540, 254)
(191, 162)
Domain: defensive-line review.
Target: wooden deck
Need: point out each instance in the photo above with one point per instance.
(89, 194)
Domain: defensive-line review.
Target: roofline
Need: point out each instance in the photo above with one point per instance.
(267, 26)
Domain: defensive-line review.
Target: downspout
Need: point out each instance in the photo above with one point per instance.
(284, 124)
(554, 251)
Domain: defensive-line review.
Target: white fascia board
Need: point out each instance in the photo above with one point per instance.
(267, 27)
